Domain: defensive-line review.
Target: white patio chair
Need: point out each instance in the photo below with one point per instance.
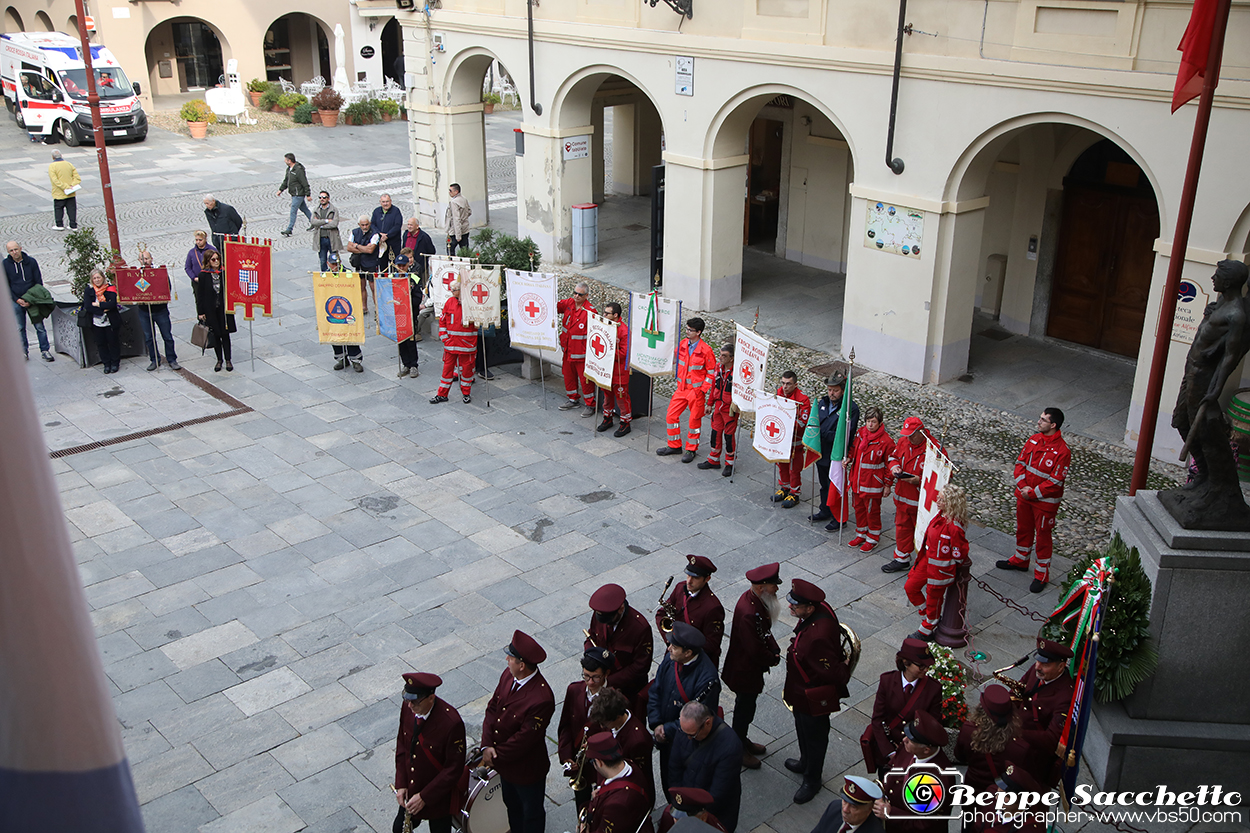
(287, 86)
(311, 88)
(228, 104)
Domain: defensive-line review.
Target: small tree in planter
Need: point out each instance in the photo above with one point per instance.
(198, 116)
(84, 252)
(491, 247)
(328, 103)
(289, 101)
(388, 108)
(362, 112)
(255, 88)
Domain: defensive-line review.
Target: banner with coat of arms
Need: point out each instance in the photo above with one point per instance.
(479, 296)
(933, 479)
(336, 300)
(249, 276)
(148, 285)
(750, 367)
(654, 330)
(444, 270)
(532, 309)
(600, 349)
(395, 313)
(774, 427)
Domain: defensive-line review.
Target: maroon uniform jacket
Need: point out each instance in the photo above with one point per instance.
(573, 721)
(638, 746)
(667, 821)
(1042, 715)
(630, 644)
(704, 611)
(515, 723)
(431, 762)
(891, 699)
(893, 795)
(620, 807)
(815, 659)
(749, 657)
(983, 768)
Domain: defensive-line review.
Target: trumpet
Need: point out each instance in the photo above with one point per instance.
(590, 638)
(575, 771)
(1016, 687)
(668, 610)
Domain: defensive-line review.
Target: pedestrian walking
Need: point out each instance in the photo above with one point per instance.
(295, 183)
(65, 186)
(457, 221)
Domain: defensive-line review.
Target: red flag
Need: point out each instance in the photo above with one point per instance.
(149, 285)
(249, 276)
(1195, 47)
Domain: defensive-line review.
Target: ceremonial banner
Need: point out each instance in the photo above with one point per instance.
(936, 474)
(600, 349)
(444, 270)
(249, 276)
(774, 427)
(335, 296)
(532, 310)
(654, 330)
(479, 296)
(394, 307)
(750, 363)
(143, 286)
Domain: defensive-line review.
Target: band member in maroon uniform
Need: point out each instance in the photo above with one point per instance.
(900, 694)
(923, 742)
(611, 711)
(697, 605)
(1048, 696)
(693, 802)
(988, 738)
(853, 812)
(575, 725)
(627, 634)
(752, 652)
(429, 756)
(620, 804)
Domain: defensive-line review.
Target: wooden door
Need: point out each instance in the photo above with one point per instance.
(1103, 268)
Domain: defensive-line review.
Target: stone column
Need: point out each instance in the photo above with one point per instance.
(550, 186)
(704, 269)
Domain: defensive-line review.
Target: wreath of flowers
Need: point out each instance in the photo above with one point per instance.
(953, 678)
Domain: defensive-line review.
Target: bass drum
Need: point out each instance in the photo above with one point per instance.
(483, 810)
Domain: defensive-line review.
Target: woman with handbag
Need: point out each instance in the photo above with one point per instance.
(900, 694)
(210, 305)
(99, 312)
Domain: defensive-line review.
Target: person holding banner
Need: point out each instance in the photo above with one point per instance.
(210, 306)
(868, 479)
(156, 316)
(459, 348)
(905, 467)
(724, 414)
(617, 396)
(945, 547)
(408, 358)
(573, 344)
(828, 412)
(696, 368)
(1041, 470)
(790, 473)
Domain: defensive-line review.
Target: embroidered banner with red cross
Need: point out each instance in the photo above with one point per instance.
(600, 350)
(143, 286)
(249, 276)
(443, 271)
(936, 474)
(479, 296)
(774, 427)
(532, 309)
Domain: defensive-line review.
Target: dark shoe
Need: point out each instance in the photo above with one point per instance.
(750, 761)
(606, 425)
(310, 228)
(435, 400)
(922, 637)
(728, 472)
(779, 495)
(622, 431)
(833, 526)
(1037, 586)
(229, 367)
(796, 765)
(286, 233)
(151, 367)
(822, 515)
(338, 365)
(791, 501)
(806, 792)
(107, 370)
(173, 365)
(570, 404)
(487, 375)
(896, 567)
(46, 356)
(666, 450)
(755, 748)
(468, 399)
(1012, 564)
(707, 464)
(356, 366)
(217, 367)
(688, 457)
(589, 412)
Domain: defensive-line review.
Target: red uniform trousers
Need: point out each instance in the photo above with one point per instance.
(574, 378)
(723, 431)
(790, 475)
(1033, 517)
(617, 396)
(904, 530)
(868, 516)
(453, 361)
(922, 594)
(696, 401)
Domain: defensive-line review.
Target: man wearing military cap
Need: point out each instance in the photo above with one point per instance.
(621, 804)
(1047, 695)
(816, 676)
(692, 802)
(686, 673)
(513, 740)
(575, 725)
(900, 694)
(853, 812)
(697, 605)
(611, 711)
(625, 632)
(752, 652)
(429, 756)
(924, 738)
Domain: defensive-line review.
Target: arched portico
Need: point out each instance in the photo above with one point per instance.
(185, 53)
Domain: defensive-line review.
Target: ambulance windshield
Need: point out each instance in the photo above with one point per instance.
(111, 83)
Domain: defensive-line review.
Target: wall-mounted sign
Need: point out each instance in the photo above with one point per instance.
(577, 147)
(895, 229)
(1191, 303)
(366, 51)
(685, 76)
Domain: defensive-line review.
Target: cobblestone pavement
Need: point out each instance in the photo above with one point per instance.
(258, 583)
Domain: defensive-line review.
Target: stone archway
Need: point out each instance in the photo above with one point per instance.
(185, 53)
(297, 48)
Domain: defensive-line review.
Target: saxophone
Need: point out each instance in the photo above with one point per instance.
(407, 828)
(667, 609)
(1016, 687)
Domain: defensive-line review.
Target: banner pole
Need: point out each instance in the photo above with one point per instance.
(650, 408)
(152, 329)
(846, 500)
(485, 367)
(251, 344)
(735, 466)
(542, 377)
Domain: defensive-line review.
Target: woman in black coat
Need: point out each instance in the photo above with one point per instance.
(100, 315)
(210, 305)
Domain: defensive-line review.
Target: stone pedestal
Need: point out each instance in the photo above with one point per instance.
(1188, 724)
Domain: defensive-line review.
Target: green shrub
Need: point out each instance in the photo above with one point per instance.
(491, 98)
(269, 98)
(257, 86)
(84, 252)
(303, 113)
(387, 107)
(361, 112)
(197, 110)
(490, 246)
(289, 100)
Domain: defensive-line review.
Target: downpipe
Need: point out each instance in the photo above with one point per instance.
(529, 12)
(892, 162)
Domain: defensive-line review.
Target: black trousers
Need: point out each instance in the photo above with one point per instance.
(108, 344)
(408, 353)
(822, 474)
(526, 813)
(666, 749)
(462, 241)
(813, 732)
(438, 825)
(744, 713)
(69, 205)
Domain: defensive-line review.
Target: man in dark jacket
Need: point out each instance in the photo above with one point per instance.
(23, 273)
(388, 223)
(295, 183)
(707, 754)
(222, 220)
(686, 674)
(829, 411)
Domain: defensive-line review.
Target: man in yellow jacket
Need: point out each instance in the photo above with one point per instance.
(65, 185)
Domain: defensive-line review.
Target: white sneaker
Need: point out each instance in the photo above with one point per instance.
(59, 228)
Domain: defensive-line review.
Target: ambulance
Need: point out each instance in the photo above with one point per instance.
(45, 88)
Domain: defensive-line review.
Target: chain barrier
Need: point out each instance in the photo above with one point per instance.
(1014, 605)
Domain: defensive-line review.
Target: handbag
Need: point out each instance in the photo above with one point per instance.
(201, 336)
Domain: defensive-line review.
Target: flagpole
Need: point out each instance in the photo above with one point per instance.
(542, 377)
(1180, 248)
(251, 343)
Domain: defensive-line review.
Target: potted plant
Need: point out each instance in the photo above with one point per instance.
(289, 101)
(198, 116)
(403, 110)
(388, 108)
(255, 88)
(304, 113)
(489, 100)
(360, 112)
(491, 247)
(328, 103)
(84, 252)
(269, 98)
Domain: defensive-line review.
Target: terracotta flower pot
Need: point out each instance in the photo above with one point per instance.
(199, 129)
(488, 108)
(386, 117)
(403, 114)
(290, 111)
(315, 115)
(255, 98)
(329, 118)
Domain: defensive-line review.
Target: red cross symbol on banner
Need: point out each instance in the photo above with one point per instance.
(480, 293)
(772, 428)
(598, 346)
(531, 309)
(448, 277)
(746, 373)
(930, 490)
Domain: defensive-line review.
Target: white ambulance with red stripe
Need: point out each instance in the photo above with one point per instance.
(45, 88)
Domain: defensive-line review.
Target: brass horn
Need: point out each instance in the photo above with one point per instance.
(668, 610)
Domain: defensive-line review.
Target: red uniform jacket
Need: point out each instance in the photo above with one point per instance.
(695, 372)
(432, 762)
(704, 611)
(573, 721)
(872, 451)
(911, 459)
(750, 656)
(620, 807)
(1042, 467)
(573, 327)
(801, 415)
(945, 547)
(720, 401)
(894, 796)
(887, 709)
(457, 337)
(620, 368)
(638, 746)
(1042, 717)
(815, 659)
(630, 644)
(515, 723)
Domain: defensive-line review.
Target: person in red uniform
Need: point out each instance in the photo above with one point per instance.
(724, 415)
(692, 802)
(988, 738)
(900, 694)
(752, 653)
(873, 445)
(922, 744)
(620, 804)
(904, 468)
(573, 345)
(459, 348)
(790, 474)
(1047, 697)
(816, 676)
(429, 756)
(611, 711)
(945, 547)
(575, 724)
(617, 396)
(696, 368)
(697, 605)
(624, 632)
(513, 734)
(1041, 469)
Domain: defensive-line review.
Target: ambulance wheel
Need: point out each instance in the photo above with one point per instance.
(21, 122)
(8, 104)
(67, 134)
